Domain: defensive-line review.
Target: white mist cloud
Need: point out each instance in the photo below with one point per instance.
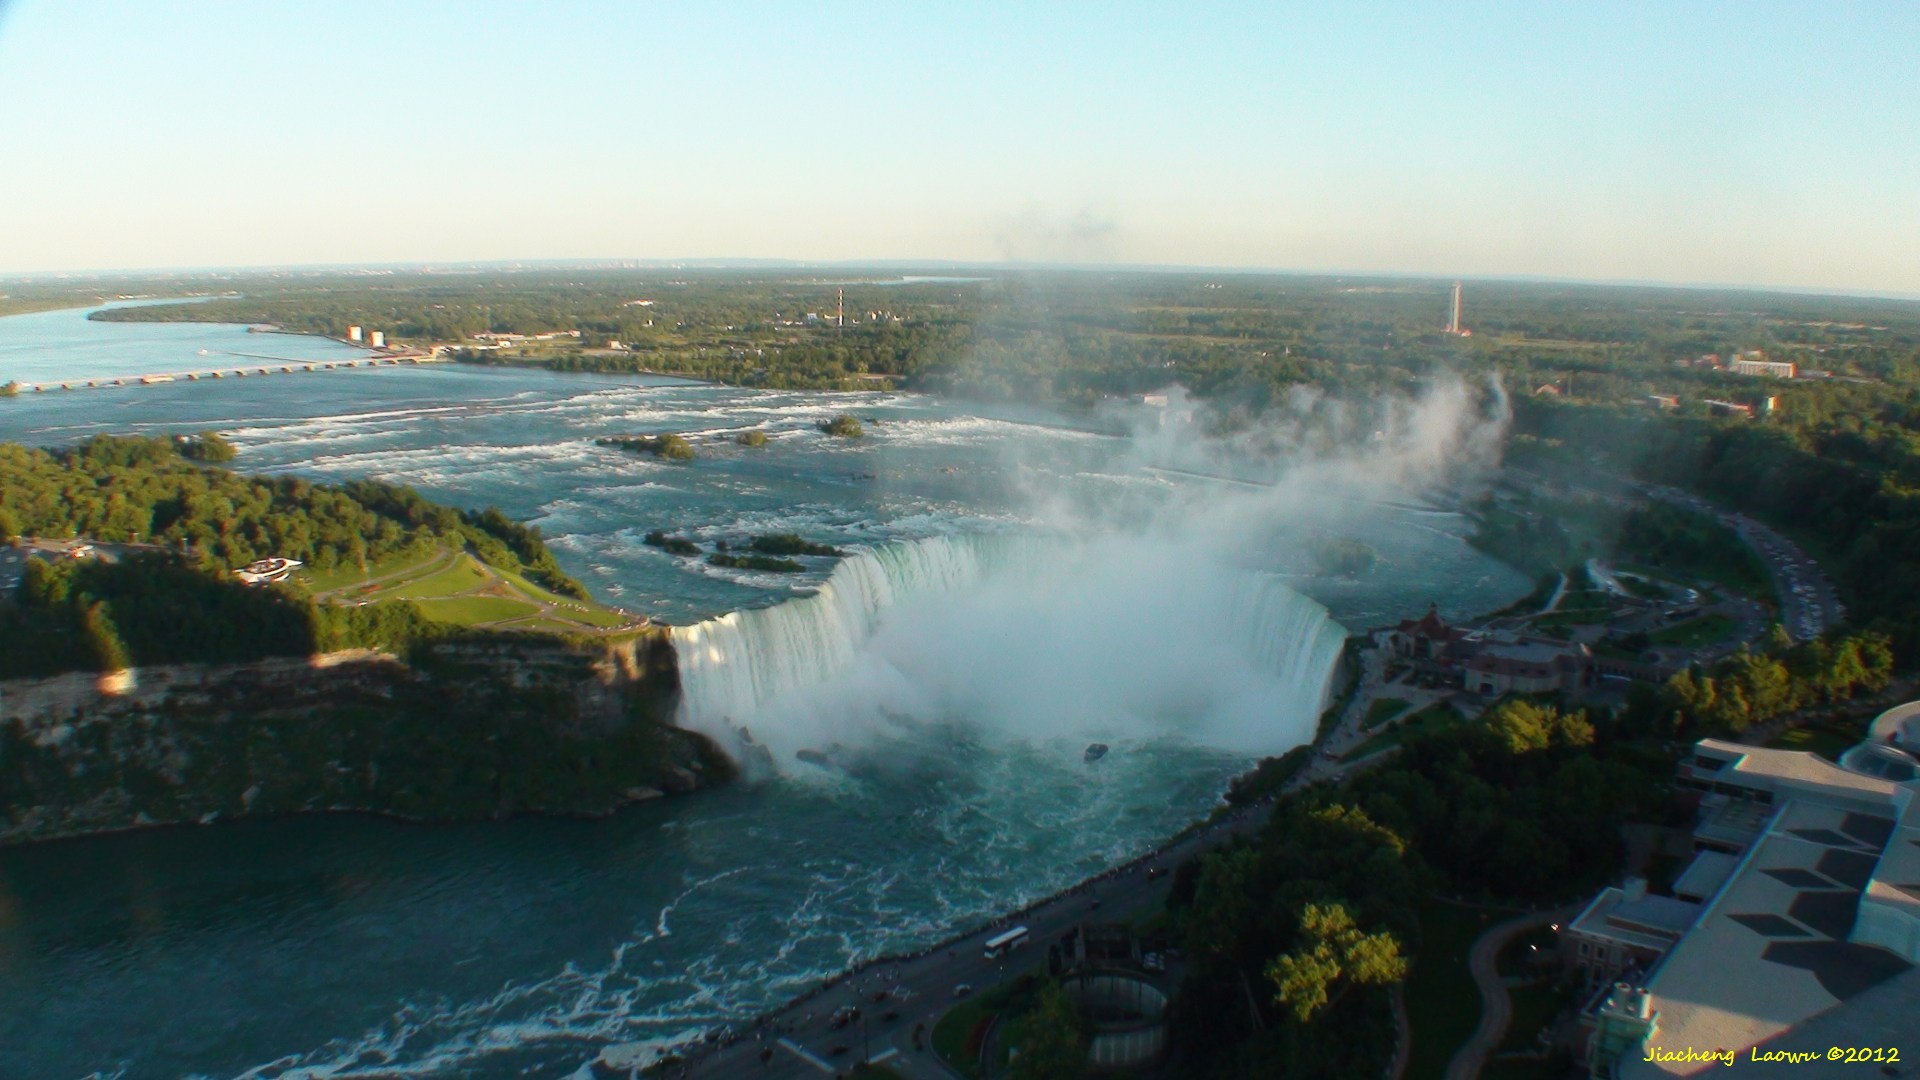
(1112, 639)
(1146, 615)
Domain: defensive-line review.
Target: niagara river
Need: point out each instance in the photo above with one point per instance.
(1015, 585)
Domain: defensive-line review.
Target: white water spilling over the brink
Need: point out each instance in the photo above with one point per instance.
(1037, 637)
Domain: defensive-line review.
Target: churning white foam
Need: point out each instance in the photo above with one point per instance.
(1036, 637)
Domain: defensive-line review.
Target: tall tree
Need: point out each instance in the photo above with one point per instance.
(1333, 956)
(1052, 1040)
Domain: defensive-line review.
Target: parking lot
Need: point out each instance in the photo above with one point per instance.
(1809, 603)
(13, 557)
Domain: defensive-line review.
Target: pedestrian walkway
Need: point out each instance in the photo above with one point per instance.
(1496, 1006)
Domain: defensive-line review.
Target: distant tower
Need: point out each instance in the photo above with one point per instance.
(1453, 323)
(353, 333)
(840, 309)
(379, 339)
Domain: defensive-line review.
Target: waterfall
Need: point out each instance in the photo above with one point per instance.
(1037, 633)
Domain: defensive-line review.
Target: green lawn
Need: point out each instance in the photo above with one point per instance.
(1443, 1004)
(1382, 710)
(1534, 1007)
(1436, 717)
(341, 577)
(1580, 607)
(1828, 738)
(472, 610)
(543, 625)
(463, 576)
(594, 615)
(951, 1033)
(1704, 630)
(442, 581)
(566, 607)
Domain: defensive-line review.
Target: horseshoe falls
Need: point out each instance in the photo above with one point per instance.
(1027, 636)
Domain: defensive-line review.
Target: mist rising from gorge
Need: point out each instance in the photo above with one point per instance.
(1150, 610)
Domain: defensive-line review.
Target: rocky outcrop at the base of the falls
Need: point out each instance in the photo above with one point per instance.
(458, 731)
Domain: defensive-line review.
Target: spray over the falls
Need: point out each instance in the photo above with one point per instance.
(1023, 636)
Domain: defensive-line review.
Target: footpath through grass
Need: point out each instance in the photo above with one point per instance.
(1438, 716)
(958, 1035)
(1382, 710)
(346, 576)
(463, 575)
(476, 610)
(455, 587)
(1443, 1003)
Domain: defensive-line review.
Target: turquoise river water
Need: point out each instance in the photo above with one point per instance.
(1019, 584)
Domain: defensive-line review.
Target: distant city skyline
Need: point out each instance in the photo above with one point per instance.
(1765, 145)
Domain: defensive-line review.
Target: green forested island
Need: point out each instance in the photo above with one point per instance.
(424, 711)
(173, 598)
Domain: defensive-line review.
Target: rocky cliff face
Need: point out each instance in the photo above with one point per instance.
(475, 729)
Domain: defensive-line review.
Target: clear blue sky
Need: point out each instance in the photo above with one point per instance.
(1696, 142)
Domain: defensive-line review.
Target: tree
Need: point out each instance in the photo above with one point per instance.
(845, 426)
(1052, 1040)
(1333, 957)
(103, 639)
(9, 389)
(673, 448)
(1523, 727)
(210, 447)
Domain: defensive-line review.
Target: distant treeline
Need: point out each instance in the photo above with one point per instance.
(1240, 341)
(1836, 461)
(1847, 488)
(179, 601)
(1561, 534)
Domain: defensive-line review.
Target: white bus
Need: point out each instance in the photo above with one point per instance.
(999, 945)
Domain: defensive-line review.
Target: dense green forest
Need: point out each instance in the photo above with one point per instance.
(1293, 936)
(1524, 806)
(172, 597)
(1846, 488)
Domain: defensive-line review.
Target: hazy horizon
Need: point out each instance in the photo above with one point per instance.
(879, 266)
(1744, 146)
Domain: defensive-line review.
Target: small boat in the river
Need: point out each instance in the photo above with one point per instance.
(1095, 752)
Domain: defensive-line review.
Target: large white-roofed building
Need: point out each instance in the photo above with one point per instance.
(1804, 927)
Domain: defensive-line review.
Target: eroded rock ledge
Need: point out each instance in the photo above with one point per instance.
(459, 731)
